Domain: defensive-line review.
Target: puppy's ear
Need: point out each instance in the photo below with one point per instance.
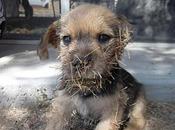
(123, 32)
(50, 38)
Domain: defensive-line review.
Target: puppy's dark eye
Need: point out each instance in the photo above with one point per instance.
(67, 40)
(103, 38)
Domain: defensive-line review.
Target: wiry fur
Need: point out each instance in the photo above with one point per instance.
(95, 93)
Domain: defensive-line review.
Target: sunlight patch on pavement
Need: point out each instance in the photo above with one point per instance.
(24, 78)
(43, 71)
(5, 60)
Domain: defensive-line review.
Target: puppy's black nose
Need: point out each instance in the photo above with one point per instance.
(82, 61)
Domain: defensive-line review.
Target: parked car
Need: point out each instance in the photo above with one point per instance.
(43, 3)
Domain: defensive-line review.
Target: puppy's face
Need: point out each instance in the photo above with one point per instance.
(92, 40)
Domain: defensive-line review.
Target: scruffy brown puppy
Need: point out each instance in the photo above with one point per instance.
(95, 92)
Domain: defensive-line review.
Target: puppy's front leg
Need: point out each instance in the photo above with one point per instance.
(137, 119)
(105, 125)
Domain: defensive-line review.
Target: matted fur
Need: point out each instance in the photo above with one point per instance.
(81, 102)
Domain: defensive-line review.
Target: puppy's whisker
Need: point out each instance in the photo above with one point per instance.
(108, 48)
(110, 74)
(95, 73)
(115, 62)
(115, 67)
(92, 92)
(123, 64)
(71, 69)
(85, 69)
(58, 57)
(116, 57)
(101, 84)
(79, 84)
(99, 75)
(75, 93)
(116, 123)
(119, 47)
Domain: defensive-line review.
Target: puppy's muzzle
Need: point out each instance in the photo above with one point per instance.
(83, 61)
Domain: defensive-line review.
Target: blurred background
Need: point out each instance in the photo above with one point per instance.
(28, 19)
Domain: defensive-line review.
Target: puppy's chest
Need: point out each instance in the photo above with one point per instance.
(86, 115)
(82, 122)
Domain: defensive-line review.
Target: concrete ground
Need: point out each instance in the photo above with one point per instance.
(153, 65)
(26, 81)
(24, 78)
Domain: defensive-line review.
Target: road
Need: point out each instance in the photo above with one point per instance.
(10, 47)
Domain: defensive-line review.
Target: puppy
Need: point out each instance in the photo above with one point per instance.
(95, 93)
(50, 38)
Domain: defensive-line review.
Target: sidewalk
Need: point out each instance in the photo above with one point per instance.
(25, 79)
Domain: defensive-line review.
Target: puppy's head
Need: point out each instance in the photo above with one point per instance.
(92, 41)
